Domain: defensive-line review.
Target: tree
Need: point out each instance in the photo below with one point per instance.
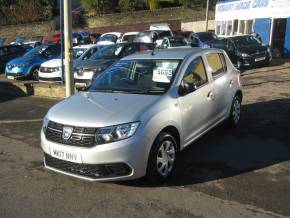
(132, 5)
(153, 4)
(100, 6)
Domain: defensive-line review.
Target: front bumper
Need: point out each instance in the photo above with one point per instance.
(129, 155)
(256, 60)
(83, 80)
(17, 72)
(50, 76)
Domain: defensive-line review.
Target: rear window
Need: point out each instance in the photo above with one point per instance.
(216, 64)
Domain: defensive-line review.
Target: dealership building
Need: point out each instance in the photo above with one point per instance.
(269, 18)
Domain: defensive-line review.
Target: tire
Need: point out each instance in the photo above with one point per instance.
(34, 74)
(235, 115)
(162, 158)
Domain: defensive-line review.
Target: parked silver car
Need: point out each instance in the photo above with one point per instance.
(139, 113)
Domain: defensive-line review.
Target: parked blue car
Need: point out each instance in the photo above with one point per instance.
(28, 65)
(202, 39)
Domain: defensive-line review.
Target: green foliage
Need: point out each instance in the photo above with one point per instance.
(129, 5)
(153, 4)
(100, 6)
(20, 11)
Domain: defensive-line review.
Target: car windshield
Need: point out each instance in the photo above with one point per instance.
(137, 77)
(206, 37)
(175, 42)
(129, 38)
(162, 34)
(2, 41)
(109, 37)
(108, 52)
(19, 39)
(246, 41)
(77, 52)
(36, 51)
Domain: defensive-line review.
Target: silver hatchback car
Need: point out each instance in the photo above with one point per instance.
(139, 113)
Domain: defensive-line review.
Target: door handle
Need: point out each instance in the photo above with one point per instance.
(231, 83)
(210, 96)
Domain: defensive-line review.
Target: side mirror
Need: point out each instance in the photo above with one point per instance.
(186, 88)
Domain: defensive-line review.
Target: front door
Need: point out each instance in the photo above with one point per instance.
(196, 105)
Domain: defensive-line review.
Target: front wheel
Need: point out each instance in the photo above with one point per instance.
(35, 75)
(235, 116)
(162, 158)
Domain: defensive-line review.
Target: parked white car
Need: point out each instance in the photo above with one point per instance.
(109, 38)
(162, 30)
(129, 37)
(174, 42)
(50, 71)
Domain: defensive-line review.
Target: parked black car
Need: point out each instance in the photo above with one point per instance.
(87, 70)
(246, 51)
(9, 52)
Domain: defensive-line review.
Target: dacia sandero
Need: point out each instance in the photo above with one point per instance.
(140, 113)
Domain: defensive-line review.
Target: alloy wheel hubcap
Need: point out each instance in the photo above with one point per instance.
(236, 111)
(165, 158)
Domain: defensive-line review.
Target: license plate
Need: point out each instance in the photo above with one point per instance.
(10, 77)
(260, 59)
(65, 155)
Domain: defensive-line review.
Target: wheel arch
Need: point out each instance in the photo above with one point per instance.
(175, 133)
(239, 93)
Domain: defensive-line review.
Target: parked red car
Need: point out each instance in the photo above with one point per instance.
(56, 38)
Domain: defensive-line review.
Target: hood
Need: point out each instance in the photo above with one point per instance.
(52, 63)
(94, 64)
(96, 109)
(218, 43)
(252, 49)
(30, 59)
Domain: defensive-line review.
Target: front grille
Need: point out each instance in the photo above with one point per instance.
(48, 69)
(81, 136)
(259, 54)
(55, 79)
(94, 171)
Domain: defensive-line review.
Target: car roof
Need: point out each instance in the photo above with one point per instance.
(130, 33)
(235, 36)
(118, 34)
(175, 53)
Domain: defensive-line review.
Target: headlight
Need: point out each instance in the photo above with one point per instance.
(244, 55)
(116, 133)
(45, 124)
(24, 64)
(80, 71)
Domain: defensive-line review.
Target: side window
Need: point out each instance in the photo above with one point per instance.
(128, 50)
(13, 49)
(223, 59)
(215, 64)
(3, 51)
(53, 50)
(195, 74)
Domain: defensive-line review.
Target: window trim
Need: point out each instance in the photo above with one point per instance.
(204, 66)
(214, 77)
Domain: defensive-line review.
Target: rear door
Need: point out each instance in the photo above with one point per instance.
(221, 82)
